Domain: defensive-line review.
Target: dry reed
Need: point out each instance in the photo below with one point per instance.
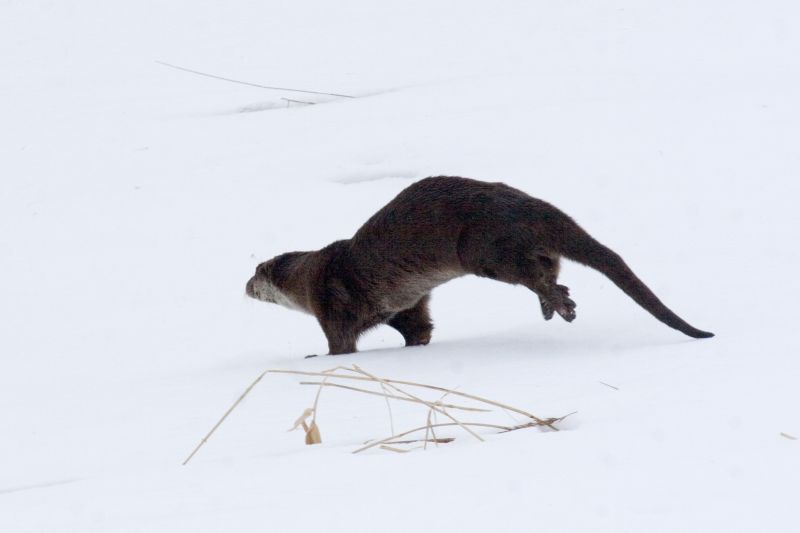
(391, 391)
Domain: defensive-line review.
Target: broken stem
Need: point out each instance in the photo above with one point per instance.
(221, 420)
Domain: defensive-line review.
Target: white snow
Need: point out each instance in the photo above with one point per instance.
(136, 200)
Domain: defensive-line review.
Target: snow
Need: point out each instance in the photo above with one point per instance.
(137, 200)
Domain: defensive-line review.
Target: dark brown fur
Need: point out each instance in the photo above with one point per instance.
(435, 230)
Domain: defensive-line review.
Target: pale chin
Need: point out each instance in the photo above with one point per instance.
(267, 292)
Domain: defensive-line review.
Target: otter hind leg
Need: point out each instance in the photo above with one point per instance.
(516, 260)
(414, 324)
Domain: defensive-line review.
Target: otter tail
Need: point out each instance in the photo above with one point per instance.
(583, 248)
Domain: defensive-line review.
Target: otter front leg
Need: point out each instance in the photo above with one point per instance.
(414, 323)
(341, 336)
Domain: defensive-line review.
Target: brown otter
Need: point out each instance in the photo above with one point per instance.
(435, 230)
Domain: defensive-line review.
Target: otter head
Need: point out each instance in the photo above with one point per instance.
(272, 282)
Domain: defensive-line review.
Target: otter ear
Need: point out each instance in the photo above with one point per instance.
(262, 269)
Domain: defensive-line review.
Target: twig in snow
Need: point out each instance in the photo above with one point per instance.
(291, 101)
(607, 385)
(249, 83)
(533, 424)
(393, 449)
(440, 440)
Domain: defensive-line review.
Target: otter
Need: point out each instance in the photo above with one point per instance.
(435, 230)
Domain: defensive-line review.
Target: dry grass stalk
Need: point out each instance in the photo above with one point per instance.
(388, 406)
(301, 420)
(221, 420)
(422, 385)
(312, 434)
(441, 440)
(394, 397)
(311, 430)
(290, 101)
(445, 440)
(503, 429)
(393, 449)
(434, 408)
(429, 404)
(316, 404)
(429, 430)
(536, 424)
(240, 82)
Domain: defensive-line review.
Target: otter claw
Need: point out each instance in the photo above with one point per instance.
(547, 309)
(568, 315)
(567, 310)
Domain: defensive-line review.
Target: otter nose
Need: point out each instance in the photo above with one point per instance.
(249, 289)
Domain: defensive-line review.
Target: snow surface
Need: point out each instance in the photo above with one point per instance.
(136, 200)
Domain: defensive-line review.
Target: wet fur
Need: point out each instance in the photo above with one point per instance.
(436, 230)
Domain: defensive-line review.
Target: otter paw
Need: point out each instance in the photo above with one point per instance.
(567, 310)
(567, 307)
(558, 301)
(418, 339)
